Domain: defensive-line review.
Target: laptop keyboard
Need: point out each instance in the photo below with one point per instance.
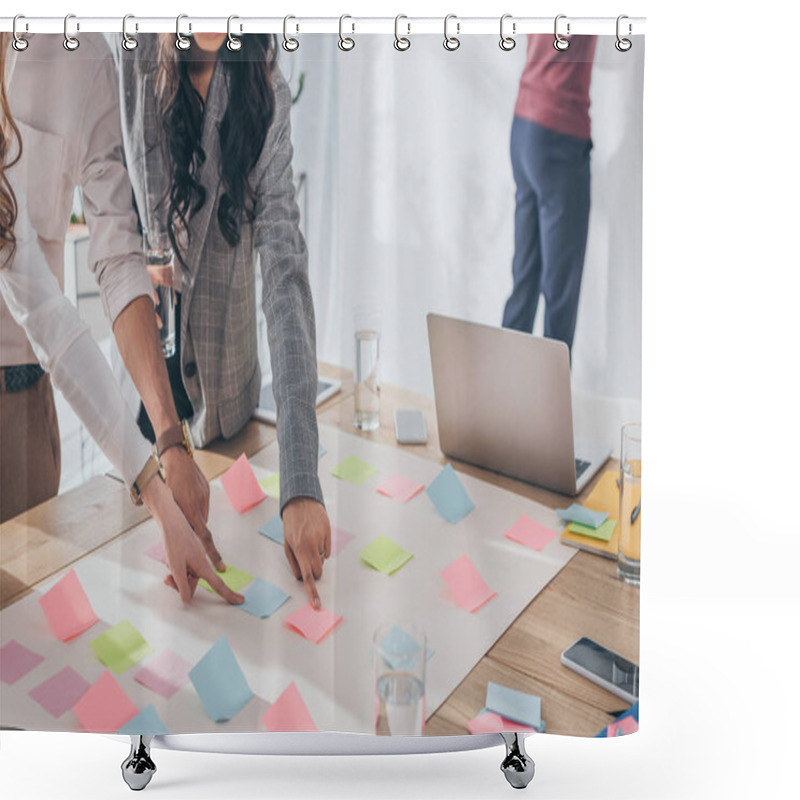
(580, 467)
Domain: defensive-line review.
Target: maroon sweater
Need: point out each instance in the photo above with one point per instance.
(554, 88)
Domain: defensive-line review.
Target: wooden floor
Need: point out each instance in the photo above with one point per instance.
(584, 599)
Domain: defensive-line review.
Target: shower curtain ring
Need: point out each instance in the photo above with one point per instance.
(128, 42)
(290, 44)
(234, 44)
(346, 43)
(401, 43)
(181, 42)
(17, 42)
(507, 42)
(451, 43)
(560, 43)
(623, 45)
(70, 42)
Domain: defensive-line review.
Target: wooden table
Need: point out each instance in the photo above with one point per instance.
(584, 599)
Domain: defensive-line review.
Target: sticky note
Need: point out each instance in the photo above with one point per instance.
(385, 555)
(602, 532)
(164, 673)
(288, 713)
(468, 588)
(520, 707)
(583, 516)
(233, 578)
(339, 540)
(220, 682)
(320, 451)
(400, 488)
(273, 529)
(60, 692)
(489, 722)
(157, 552)
(104, 708)
(272, 485)
(120, 647)
(263, 599)
(353, 470)
(145, 722)
(312, 624)
(16, 661)
(241, 486)
(529, 532)
(67, 608)
(399, 648)
(622, 727)
(449, 495)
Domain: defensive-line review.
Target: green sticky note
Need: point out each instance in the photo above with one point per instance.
(120, 647)
(233, 578)
(385, 555)
(603, 532)
(354, 470)
(272, 485)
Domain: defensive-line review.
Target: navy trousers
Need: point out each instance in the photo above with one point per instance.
(551, 222)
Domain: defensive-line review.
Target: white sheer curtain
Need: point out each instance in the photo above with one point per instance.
(411, 202)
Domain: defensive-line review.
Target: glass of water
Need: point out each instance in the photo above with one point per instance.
(158, 255)
(630, 504)
(367, 379)
(400, 655)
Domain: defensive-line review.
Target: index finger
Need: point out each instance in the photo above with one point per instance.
(219, 586)
(311, 586)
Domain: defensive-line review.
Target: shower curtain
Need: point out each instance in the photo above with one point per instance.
(291, 218)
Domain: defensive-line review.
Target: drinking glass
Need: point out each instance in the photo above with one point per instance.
(630, 504)
(367, 379)
(158, 256)
(400, 652)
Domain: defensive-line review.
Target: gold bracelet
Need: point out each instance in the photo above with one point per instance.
(149, 471)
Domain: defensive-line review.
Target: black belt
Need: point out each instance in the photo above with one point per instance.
(19, 377)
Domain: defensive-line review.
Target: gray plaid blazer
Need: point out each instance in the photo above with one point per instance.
(219, 354)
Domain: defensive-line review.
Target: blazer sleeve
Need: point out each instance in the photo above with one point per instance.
(288, 306)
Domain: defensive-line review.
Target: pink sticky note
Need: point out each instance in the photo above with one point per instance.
(529, 532)
(60, 693)
(157, 552)
(489, 722)
(288, 713)
(314, 625)
(339, 540)
(468, 588)
(241, 486)
(400, 488)
(622, 727)
(16, 660)
(164, 673)
(67, 608)
(105, 707)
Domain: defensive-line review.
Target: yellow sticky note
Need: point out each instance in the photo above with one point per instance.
(385, 555)
(272, 485)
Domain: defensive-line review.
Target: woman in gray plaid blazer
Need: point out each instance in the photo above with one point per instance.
(208, 148)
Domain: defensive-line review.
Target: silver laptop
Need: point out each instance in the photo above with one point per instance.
(504, 402)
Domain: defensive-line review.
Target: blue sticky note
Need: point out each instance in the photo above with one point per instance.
(220, 683)
(449, 495)
(516, 706)
(583, 516)
(263, 598)
(145, 722)
(399, 646)
(321, 451)
(273, 529)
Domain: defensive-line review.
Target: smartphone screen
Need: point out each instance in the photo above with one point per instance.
(609, 667)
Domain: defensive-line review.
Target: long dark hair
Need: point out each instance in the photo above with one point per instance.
(242, 131)
(10, 151)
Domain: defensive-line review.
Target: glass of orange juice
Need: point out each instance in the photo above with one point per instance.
(630, 504)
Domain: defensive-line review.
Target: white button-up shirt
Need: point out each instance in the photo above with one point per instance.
(66, 105)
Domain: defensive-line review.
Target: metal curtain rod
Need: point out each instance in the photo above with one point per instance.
(461, 26)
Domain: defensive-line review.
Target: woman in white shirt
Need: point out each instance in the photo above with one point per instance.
(64, 347)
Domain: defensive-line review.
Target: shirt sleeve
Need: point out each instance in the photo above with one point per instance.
(115, 245)
(64, 346)
(288, 307)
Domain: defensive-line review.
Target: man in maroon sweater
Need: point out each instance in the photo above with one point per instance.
(550, 146)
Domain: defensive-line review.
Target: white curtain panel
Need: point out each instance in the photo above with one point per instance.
(411, 205)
